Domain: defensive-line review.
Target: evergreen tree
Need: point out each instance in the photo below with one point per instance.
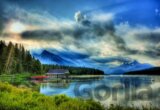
(15, 59)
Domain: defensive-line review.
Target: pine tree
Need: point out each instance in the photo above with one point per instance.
(15, 59)
(37, 67)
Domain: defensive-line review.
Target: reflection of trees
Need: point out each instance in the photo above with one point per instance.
(55, 85)
(86, 78)
(136, 81)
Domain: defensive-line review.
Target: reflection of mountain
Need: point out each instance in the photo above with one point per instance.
(151, 71)
(81, 60)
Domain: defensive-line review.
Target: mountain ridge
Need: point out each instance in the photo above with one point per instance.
(48, 57)
(150, 71)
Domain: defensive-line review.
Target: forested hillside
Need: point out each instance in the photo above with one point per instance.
(75, 70)
(150, 71)
(15, 59)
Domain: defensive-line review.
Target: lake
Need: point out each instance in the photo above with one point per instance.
(123, 90)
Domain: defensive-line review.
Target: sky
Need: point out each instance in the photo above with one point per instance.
(109, 32)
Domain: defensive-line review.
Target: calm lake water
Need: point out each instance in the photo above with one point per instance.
(124, 90)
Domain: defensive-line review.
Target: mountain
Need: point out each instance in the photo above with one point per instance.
(127, 67)
(47, 57)
(151, 71)
(80, 60)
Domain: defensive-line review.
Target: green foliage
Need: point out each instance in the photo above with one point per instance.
(15, 59)
(20, 80)
(75, 70)
(13, 98)
(119, 107)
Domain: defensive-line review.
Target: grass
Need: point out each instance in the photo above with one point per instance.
(21, 80)
(119, 107)
(13, 98)
(24, 98)
(15, 78)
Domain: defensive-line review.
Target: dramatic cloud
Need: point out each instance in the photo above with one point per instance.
(42, 35)
(95, 35)
(112, 59)
(140, 40)
(79, 16)
(149, 36)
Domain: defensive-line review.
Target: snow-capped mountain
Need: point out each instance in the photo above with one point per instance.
(47, 57)
(80, 60)
(127, 67)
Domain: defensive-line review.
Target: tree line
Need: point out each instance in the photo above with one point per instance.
(75, 70)
(15, 59)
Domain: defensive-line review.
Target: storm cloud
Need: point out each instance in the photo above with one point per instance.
(91, 29)
(113, 59)
(153, 37)
(42, 35)
(96, 35)
(151, 41)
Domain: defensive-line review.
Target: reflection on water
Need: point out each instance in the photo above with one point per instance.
(124, 90)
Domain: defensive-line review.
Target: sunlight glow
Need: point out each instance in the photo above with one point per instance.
(17, 27)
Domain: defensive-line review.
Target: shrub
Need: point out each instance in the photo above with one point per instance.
(13, 98)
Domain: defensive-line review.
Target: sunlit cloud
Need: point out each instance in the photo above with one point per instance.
(95, 34)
